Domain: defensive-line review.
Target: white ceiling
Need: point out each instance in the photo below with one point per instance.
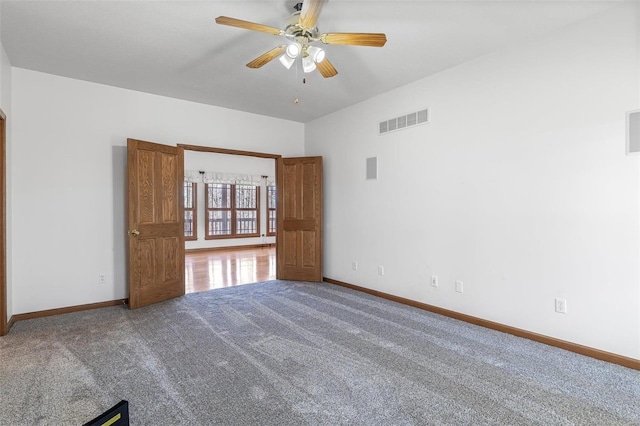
(174, 48)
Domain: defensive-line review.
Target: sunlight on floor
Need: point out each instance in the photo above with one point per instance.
(208, 270)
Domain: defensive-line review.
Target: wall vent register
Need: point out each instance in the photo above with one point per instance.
(403, 122)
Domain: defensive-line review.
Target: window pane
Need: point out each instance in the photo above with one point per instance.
(271, 197)
(188, 223)
(218, 195)
(219, 222)
(246, 196)
(188, 195)
(246, 222)
(272, 221)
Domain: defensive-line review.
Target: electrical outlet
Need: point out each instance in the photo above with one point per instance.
(354, 265)
(459, 286)
(434, 280)
(102, 279)
(561, 306)
(380, 270)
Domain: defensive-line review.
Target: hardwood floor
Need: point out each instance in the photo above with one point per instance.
(207, 270)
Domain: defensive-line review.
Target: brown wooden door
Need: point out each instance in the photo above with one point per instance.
(299, 233)
(156, 228)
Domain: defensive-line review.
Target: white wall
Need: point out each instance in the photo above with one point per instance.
(236, 164)
(68, 170)
(519, 187)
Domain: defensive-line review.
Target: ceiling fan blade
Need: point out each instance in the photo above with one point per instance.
(239, 23)
(355, 39)
(310, 12)
(267, 57)
(326, 68)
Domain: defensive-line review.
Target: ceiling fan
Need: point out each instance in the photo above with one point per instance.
(302, 34)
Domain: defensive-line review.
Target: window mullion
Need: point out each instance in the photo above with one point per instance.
(234, 227)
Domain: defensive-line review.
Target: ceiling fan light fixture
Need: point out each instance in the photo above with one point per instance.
(293, 50)
(307, 64)
(317, 54)
(300, 30)
(287, 61)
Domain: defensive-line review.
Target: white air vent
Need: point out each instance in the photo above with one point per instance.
(423, 116)
(372, 168)
(404, 121)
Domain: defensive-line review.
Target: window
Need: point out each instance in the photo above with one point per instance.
(232, 211)
(190, 211)
(271, 210)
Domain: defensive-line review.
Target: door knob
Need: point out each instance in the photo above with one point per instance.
(135, 232)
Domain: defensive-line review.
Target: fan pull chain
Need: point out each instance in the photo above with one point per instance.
(296, 100)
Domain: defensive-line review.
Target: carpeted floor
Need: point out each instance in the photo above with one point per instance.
(293, 353)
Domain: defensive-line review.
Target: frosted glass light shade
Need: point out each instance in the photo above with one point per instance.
(293, 50)
(307, 64)
(287, 61)
(316, 54)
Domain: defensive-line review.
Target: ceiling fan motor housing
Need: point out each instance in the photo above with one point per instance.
(293, 28)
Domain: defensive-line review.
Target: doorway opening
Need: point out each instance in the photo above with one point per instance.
(225, 243)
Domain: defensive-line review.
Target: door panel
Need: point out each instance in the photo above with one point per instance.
(156, 230)
(170, 196)
(299, 233)
(146, 258)
(308, 249)
(171, 247)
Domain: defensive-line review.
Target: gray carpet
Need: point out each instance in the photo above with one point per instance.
(293, 353)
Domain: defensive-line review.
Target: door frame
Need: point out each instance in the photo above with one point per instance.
(228, 151)
(215, 150)
(4, 323)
